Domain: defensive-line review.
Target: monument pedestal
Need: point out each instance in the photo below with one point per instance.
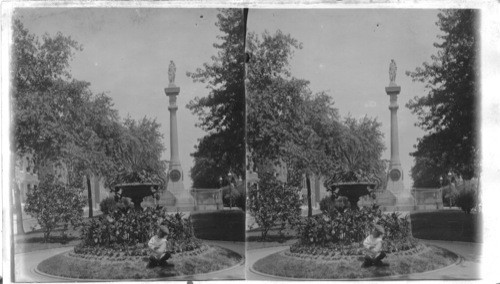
(184, 201)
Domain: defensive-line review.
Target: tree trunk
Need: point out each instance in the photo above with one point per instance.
(309, 201)
(89, 190)
(19, 209)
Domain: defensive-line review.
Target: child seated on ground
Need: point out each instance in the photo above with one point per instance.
(158, 246)
(373, 248)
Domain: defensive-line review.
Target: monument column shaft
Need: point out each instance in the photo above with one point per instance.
(393, 91)
(172, 92)
(394, 132)
(174, 147)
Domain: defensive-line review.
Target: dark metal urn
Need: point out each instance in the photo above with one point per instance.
(352, 190)
(136, 191)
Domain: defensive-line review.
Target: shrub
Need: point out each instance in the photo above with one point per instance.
(274, 203)
(234, 196)
(53, 204)
(108, 205)
(332, 203)
(466, 200)
(342, 203)
(128, 227)
(327, 205)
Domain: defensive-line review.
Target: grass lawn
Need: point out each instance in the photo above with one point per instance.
(215, 258)
(282, 265)
(447, 225)
(273, 239)
(33, 241)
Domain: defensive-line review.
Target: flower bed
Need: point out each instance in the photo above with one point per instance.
(75, 266)
(343, 231)
(319, 267)
(128, 230)
(127, 253)
(337, 252)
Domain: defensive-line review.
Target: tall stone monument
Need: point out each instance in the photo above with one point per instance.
(183, 199)
(404, 200)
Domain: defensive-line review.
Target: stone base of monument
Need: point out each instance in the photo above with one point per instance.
(383, 198)
(404, 203)
(183, 202)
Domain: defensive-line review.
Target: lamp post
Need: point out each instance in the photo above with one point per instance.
(449, 183)
(441, 187)
(230, 179)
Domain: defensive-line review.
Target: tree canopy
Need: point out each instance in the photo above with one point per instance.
(222, 111)
(286, 122)
(449, 112)
(58, 119)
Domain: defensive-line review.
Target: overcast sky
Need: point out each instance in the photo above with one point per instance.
(347, 53)
(126, 53)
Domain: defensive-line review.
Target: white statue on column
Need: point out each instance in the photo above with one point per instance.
(171, 73)
(392, 72)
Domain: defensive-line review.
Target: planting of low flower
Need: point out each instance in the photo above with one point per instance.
(126, 228)
(343, 232)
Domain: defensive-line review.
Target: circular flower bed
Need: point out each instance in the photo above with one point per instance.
(118, 266)
(114, 246)
(330, 247)
(308, 266)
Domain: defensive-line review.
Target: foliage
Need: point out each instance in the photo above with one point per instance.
(287, 124)
(127, 227)
(234, 196)
(466, 200)
(327, 204)
(358, 151)
(137, 154)
(57, 118)
(424, 173)
(273, 203)
(206, 172)
(276, 104)
(107, 205)
(343, 230)
(331, 203)
(449, 110)
(52, 204)
(222, 112)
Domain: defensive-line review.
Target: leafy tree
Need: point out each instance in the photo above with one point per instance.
(57, 118)
(285, 122)
(272, 95)
(222, 112)
(38, 72)
(39, 89)
(52, 203)
(449, 110)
